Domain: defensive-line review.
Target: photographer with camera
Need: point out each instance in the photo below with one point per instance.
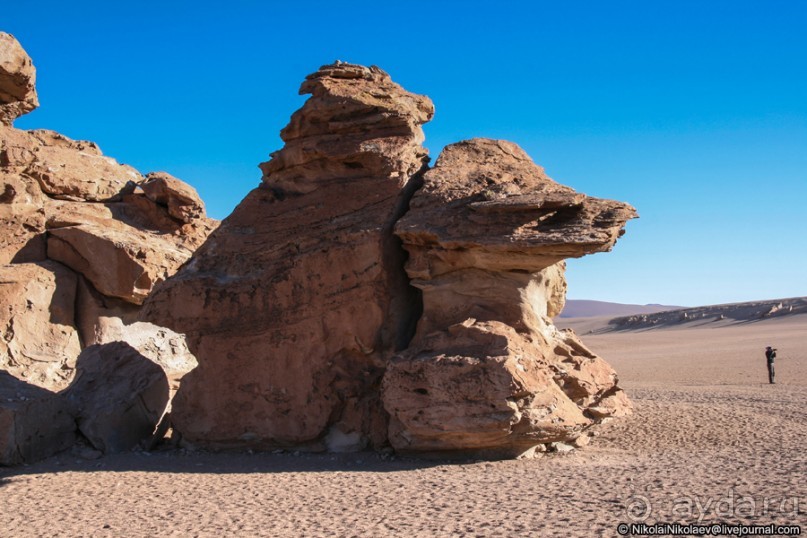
(770, 354)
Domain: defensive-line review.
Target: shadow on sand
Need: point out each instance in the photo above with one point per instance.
(180, 461)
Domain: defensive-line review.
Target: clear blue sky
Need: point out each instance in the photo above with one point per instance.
(693, 111)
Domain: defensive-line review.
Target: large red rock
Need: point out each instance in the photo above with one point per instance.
(294, 303)
(487, 373)
(17, 80)
(122, 247)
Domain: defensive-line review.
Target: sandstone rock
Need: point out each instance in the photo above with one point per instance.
(120, 261)
(34, 422)
(293, 304)
(487, 372)
(478, 389)
(17, 80)
(486, 205)
(181, 199)
(22, 220)
(297, 305)
(39, 341)
(68, 174)
(118, 396)
(62, 199)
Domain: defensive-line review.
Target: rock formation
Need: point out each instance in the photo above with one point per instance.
(84, 241)
(17, 80)
(355, 299)
(295, 303)
(487, 371)
(303, 318)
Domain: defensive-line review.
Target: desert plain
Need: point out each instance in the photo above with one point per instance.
(709, 441)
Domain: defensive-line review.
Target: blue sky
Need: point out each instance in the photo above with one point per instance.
(695, 112)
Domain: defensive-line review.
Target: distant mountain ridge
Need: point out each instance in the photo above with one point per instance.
(794, 308)
(589, 309)
(727, 313)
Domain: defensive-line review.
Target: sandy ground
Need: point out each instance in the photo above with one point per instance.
(710, 441)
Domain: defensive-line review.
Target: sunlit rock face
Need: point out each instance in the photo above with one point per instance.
(84, 241)
(17, 80)
(358, 298)
(487, 372)
(296, 302)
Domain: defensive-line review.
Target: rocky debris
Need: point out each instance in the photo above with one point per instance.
(118, 396)
(17, 80)
(34, 422)
(85, 239)
(294, 303)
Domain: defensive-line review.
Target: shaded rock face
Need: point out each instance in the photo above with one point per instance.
(118, 396)
(302, 306)
(294, 303)
(84, 241)
(34, 422)
(487, 371)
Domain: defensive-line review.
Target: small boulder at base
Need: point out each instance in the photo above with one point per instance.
(118, 396)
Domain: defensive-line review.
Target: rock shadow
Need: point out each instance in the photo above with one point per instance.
(118, 396)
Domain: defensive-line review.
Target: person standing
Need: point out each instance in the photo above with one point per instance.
(770, 354)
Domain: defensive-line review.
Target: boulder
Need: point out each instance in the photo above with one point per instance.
(118, 396)
(119, 260)
(487, 373)
(34, 422)
(181, 200)
(17, 80)
(294, 303)
(39, 341)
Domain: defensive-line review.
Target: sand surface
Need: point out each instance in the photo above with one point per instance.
(710, 441)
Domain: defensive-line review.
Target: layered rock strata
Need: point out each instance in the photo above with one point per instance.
(302, 316)
(85, 239)
(487, 372)
(294, 304)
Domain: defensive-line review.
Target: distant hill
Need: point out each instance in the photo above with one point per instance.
(590, 309)
(725, 314)
(794, 309)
